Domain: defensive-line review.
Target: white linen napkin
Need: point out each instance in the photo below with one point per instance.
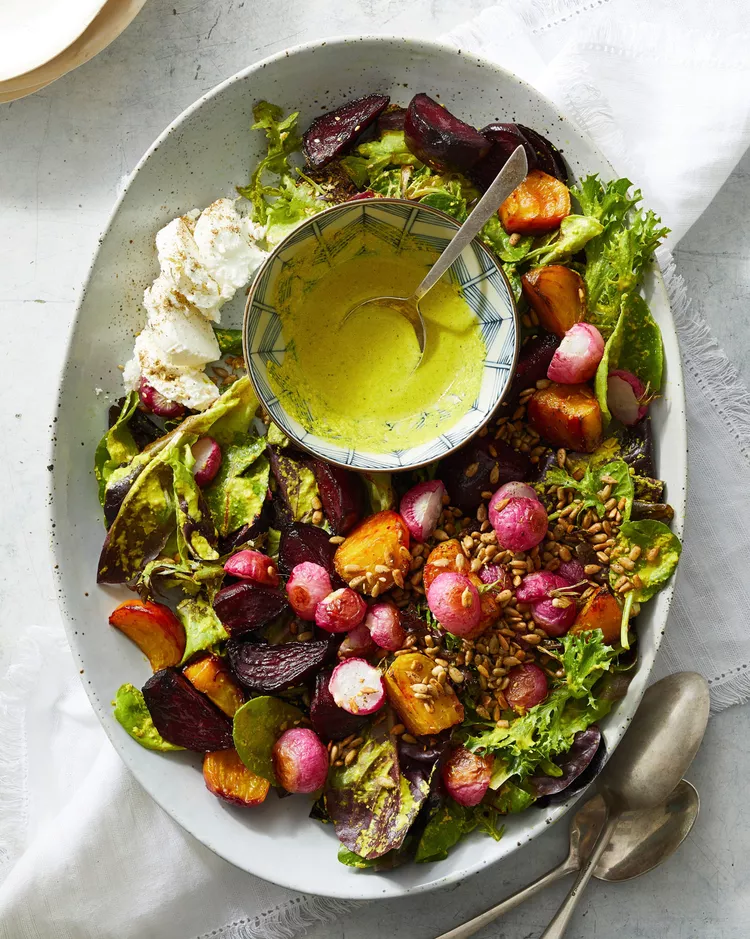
(84, 852)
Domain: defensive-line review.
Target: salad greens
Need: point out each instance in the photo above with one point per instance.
(257, 726)
(116, 447)
(592, 484)
(132, 714)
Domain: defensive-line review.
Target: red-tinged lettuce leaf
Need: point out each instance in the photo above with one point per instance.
(571, 764)
(237, 495)
(116, 447)
(372, 804)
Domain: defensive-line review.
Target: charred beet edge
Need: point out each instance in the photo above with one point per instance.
(332, 134)
(638, 448)
(183, 716)
(466, 491)
(329, 721)
(300, 543)
(549, 159)
(268, 669)
(341, 494)
(243, 607)
(439, 139)
(391, 119)
(533, 362)
(504, 139)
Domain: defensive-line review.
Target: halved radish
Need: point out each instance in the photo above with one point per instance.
(515, 490)
(421, 507)
(254, 566)
(207, 454)
(357, 643)
(383, 621)
(578, 355)
(157, 403)
(357, 687)
(626, 397)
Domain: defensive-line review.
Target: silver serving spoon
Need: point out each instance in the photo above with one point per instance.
(510, 176)
(641, 841)
(659, 745)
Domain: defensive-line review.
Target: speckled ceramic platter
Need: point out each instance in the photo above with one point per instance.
(200, 157)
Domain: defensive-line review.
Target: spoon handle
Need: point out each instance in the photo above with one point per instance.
(559, 923)
(474, 925)
(510, 176)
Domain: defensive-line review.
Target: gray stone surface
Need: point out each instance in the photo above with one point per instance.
(62, 155)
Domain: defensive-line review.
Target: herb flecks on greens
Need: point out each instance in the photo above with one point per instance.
(590, 487)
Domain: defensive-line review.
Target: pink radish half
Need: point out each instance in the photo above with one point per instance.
(578, 355)
(300, 760)
(254, 566)
(421, 507)
(626, 395)
(157, 403)
(357, 687)
(357, 642)
(308, 585)
(383, 620)
(207, 454)
(340, 611)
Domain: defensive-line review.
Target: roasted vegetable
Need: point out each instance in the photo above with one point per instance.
(154, 628)
(537, 206)
(600, 611)
(243, 607)
(300, 543)
(557, 295)
(183, 716)
(439, 139)
(332, 133)
(533, 362)
(210, 675)
(567, 416)
(417, 716)
(227, 777)
(330, 721)
(269, 669)
(381, 541)
(342, 495)
(480, 466)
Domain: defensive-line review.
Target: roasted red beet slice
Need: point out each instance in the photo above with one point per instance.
(184, 716)
(245, 606)
(533, 362)
(548, 157)
(301, 543)
(268, 669)
(485, 454)
(504, 138)
(439, 139)
(332, 134)
(329, 720)
(391, 119)
(341, 494)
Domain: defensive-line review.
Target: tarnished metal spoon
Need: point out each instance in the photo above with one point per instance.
(641, 841)
(510, 176)
(641, 775)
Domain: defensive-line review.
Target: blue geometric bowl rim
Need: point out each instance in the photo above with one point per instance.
(385, 200)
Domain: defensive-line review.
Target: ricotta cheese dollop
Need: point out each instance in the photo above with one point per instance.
(204, 258)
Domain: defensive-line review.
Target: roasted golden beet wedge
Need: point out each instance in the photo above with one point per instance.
(229, 779)
(557, 295)
(375, 556)
(567, 416)
(443, 559)
(419, 716)
(211, 675)
(600, 611)
(537, 206)
(154, 628)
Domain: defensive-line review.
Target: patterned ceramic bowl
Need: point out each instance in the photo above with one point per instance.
(480, 280)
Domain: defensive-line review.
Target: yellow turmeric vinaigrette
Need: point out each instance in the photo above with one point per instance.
(358, 383)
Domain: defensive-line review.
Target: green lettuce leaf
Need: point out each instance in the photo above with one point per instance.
(372, 804)
(574, 233)
(283, 140)
(373, 157)
(203, 628)
(592, 484)
(196, 534)
(297, 484)
(380, 491)
(236, 496)
(295, 202)
(616, 258)
(448, 824)
(116, 447)
(230, 340)
(132, 714)
(191, 577)
(548, 729)
(498, 240)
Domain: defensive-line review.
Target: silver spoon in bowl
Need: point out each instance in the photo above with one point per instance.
(640, 842)
(510, 176)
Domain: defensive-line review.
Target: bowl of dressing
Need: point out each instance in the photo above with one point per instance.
(356, 393)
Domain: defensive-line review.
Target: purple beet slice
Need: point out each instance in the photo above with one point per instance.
(441, 140)
(245, 606)
(329, 721)
(533, 362)
(504, 139)
(268, 669)
(391, 119)
(485, 454)
(549, 158)
(342, 495)
(183, 716)
(332, 134)
(301, 543)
